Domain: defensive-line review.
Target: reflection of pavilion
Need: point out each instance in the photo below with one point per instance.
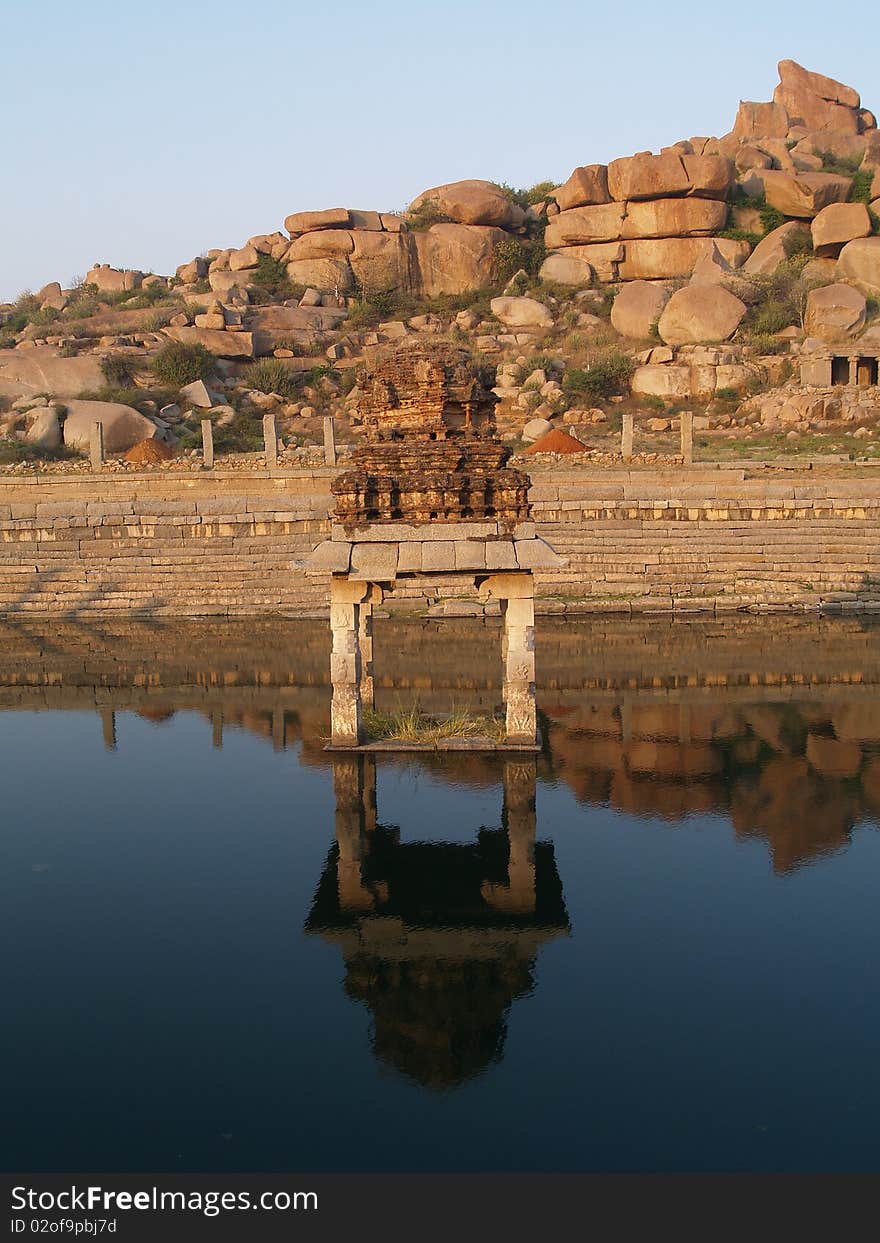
(438, 938)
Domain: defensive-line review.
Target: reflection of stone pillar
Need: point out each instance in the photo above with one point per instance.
(518, 817)
(278, 729)
(217, 729)
(348, 788)
(108, 728)
(518, 650)
(345, 664)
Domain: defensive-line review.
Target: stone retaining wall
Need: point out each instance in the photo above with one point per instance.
(233, 543)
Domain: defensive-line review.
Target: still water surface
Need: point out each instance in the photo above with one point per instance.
(222, 951)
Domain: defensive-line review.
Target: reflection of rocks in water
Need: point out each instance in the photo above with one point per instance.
(652, 717)
(801, 815)
(438, 938)
(799, 774)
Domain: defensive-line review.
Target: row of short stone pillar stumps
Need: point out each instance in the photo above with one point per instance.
(270, 443)
(686, 429)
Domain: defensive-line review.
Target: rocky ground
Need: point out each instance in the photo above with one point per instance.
(709, 277)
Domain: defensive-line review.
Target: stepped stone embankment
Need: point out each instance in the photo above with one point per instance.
(636, 540)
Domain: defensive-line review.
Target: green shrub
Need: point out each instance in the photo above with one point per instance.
(427, 213)
(119, 370)
(269, 375)
(778, 299)
(177, 364)
(14, 451)
(727, 394)
(771, 218)
(741, 235)
(126, 395)
(608, 375)
(515, 254)
(270, 277)
(244, 434)
(860, 190)
(540, 192)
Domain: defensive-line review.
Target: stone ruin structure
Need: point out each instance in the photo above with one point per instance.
(431, 452)
(430, 492)
(852, 364)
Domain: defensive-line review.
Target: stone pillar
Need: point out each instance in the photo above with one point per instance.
(365, 643)
(518, 652)
(207, 444)
(329, 440)
(687, 437)
(345, 660)
(270, 439)
(626, 437)
(854, 370)
(348, 788)
(96, 447)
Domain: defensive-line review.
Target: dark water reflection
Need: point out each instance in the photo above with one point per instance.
(651, 947)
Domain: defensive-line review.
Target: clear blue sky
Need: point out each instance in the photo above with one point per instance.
(143, 134)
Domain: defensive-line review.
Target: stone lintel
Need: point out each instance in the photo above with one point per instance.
(535, 554)
(374, 562)
(329, 558)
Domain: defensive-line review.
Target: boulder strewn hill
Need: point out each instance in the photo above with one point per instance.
(696, 268)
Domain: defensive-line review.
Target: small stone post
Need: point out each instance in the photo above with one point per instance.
(626, 437)
(207, 444)
(329, 440)
(270, 439)
(687, 437)
(345, 660)
(96, 446)
(519, 668)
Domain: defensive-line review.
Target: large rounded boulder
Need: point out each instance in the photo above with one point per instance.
(835, 312)
(471, 202)
(637, 308)
(124, 427)
(860, 262)
(700, 313)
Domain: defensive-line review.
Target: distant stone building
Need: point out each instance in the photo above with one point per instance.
(856, 365)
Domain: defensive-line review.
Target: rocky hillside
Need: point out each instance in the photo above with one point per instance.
(700, 274)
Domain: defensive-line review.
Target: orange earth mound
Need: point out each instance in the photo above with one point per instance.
(556, 441)
(148, 452)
